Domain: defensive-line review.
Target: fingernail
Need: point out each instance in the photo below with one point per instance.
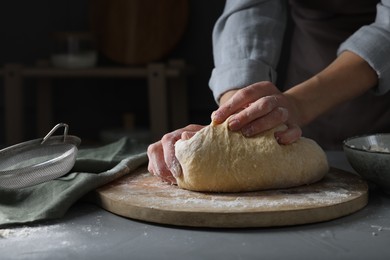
(215, 117)
(212, 115)
(185, 136)
(234, 124)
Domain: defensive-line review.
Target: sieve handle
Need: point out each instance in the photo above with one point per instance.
(66, 127)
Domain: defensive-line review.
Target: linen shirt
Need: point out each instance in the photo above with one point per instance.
(248, 38)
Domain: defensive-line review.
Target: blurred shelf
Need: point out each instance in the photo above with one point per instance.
(167, 94)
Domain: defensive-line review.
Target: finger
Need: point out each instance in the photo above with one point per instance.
(241, 99)
(168, 142)
(162, 159)
(151, 151)
(168, 179)
(273, 119)
(187, 135)
(151, 167)
(150, 162)
(156, 164)
(292, 134)
(237, 102)
(256, 110)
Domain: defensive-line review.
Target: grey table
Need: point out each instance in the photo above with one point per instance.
(88, 232)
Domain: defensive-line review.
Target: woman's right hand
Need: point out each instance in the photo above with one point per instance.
(257, 108)
(162, 160)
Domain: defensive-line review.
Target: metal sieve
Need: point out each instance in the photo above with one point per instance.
(37, 161)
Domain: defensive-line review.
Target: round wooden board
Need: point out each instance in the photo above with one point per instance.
(144, 197)
(139, 31)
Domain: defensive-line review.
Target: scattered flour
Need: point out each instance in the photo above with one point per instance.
(55, 231)
(380, 228)
(145, 191)
(26, 231)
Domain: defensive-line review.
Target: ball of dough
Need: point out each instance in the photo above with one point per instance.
(216, 159)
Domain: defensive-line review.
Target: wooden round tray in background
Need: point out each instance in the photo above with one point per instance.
(138, 31)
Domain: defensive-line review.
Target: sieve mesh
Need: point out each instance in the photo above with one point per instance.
(37, 161)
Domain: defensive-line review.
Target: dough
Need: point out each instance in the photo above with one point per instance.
(218, 160)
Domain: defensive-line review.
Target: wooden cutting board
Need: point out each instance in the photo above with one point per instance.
(144, 197)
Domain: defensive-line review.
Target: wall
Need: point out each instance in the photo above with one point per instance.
(90, 106)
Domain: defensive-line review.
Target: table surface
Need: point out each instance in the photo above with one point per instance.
(88, 232)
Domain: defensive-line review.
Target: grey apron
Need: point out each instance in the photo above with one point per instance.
(319, 28)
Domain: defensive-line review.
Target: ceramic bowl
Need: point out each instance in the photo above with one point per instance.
(369, 156)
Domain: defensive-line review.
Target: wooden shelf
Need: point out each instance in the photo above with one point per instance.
(99, 72)
(166, 112)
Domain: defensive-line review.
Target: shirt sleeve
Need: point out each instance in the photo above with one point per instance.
(372, 43)
(247, 41)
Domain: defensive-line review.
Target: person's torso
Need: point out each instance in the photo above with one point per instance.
(319, 29)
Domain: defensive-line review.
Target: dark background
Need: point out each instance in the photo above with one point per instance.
(90, 106)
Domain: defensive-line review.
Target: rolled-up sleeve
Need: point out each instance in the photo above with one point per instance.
(247, 41)
(372, 43)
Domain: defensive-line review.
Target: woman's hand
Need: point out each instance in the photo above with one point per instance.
(257, 108)
(162, 160)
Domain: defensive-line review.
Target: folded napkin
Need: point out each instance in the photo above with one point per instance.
(94, 167)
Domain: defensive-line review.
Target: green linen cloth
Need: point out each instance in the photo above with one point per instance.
(94, 167)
